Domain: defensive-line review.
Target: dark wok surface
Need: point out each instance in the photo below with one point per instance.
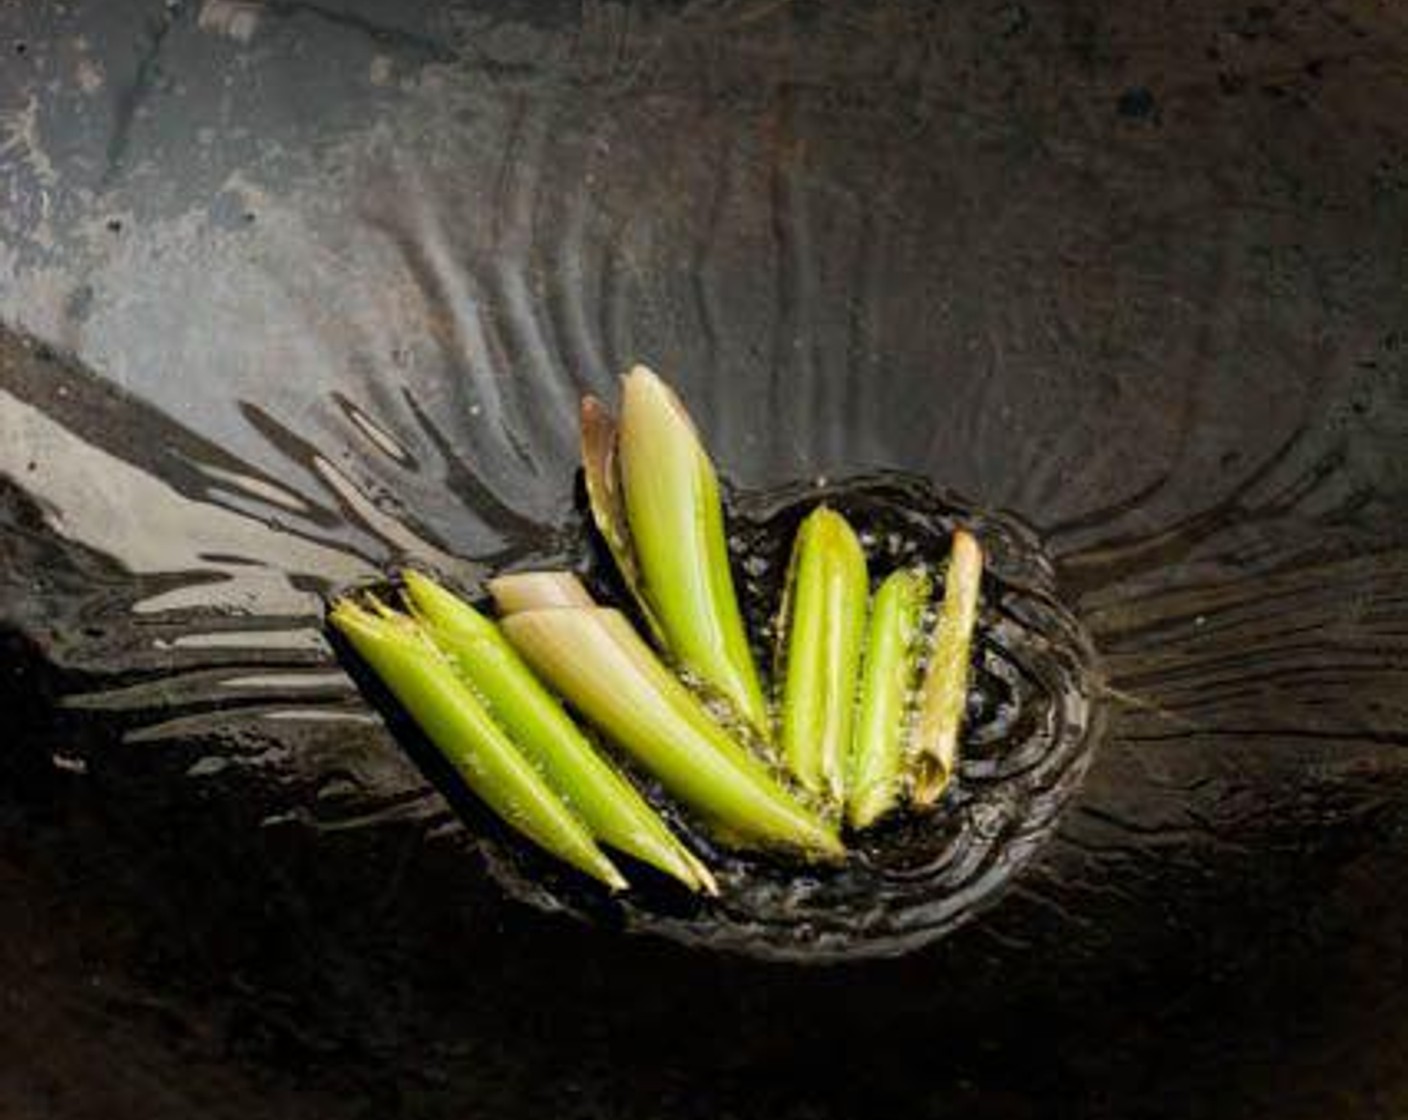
(291, 292)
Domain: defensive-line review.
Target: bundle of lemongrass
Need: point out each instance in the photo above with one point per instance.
(854, 730)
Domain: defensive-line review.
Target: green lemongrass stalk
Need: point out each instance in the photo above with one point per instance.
(820, 635)
(944, 695)
(596, 661)
(676, 524)
(428, 686)
(608, 804)
(889, 671)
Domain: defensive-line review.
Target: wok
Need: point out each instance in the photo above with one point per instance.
(294, 292)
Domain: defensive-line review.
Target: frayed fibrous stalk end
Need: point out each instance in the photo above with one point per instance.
(944, 695)
(655, 499)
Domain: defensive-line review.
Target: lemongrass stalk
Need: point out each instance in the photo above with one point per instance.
(608, 804)
(426, 684)
(944, 695)
(597, 662)
(889, 670)
(602, 667)
(821, 632)
(521, 590)
(676, 524)
(601, 470)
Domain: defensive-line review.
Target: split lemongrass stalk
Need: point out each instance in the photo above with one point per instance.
(608, 804)
(525, 590)
(428, 686)
(889, 672)
(601, 469)
(820, 634)
(596, 661)
(945, 691)
(655, 497)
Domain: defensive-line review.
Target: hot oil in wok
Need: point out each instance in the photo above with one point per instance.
(1031, 723)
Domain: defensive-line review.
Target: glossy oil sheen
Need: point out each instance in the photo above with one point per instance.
(1033, 722)
(321, 286)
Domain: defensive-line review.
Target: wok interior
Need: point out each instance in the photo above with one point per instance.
(295, 293)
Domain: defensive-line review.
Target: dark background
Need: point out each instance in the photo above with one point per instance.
(293, 291)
